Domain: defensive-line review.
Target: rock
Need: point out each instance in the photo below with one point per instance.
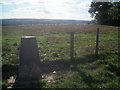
(9, 87)
(11, 80)
(49, 81)
(54, 72)
(44, 76)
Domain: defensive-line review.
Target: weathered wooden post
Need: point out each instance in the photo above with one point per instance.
(72, 46)
(29, 68)
(97, 41)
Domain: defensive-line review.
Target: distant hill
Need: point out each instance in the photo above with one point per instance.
(41, 21)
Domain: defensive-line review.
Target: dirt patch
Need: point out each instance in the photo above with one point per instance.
(53, 77)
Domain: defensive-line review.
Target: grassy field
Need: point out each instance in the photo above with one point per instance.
(86, 70)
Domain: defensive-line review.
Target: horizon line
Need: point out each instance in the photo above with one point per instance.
(49, 19)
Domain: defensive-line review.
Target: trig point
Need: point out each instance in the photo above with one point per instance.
(29, 68)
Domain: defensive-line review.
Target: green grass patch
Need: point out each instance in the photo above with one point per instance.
(86, 70)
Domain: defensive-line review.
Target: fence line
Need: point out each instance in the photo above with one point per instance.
(97, 41)
(72, 46)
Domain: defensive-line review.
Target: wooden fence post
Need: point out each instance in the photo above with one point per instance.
(97, 41)
(72, 46)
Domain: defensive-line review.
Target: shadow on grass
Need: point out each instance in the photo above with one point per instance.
(9, 70)
(50, 66)
(27, 84)
(65, 65)
(12, 70)
(88, 79)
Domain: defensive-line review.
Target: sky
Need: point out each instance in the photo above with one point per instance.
(46, 9)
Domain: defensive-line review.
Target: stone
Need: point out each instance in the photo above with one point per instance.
(11, 80)
(54, 72)
(29, 67)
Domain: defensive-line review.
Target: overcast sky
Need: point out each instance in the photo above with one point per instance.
(47, 9)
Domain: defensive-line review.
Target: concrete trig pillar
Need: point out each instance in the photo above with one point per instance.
(29, 67)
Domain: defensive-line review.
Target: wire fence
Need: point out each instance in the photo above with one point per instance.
(69, 45)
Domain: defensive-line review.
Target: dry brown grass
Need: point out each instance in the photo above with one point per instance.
(35, 29)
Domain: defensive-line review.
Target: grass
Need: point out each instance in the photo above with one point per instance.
(86, 71)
